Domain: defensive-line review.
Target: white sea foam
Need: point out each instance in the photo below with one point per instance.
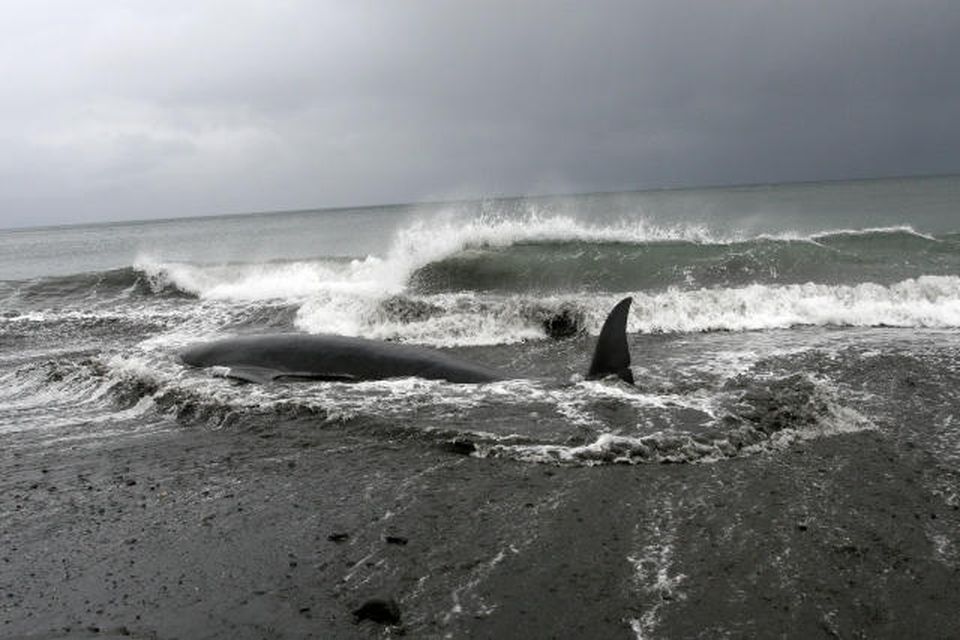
(925, 302)
(657, 582)
(893, 230)
(464, 320)
(928, 301)
(65, 400)
(294, 280)
(680, 446)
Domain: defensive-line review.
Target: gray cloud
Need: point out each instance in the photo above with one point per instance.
(116, 110)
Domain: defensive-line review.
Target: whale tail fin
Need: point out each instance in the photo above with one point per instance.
(612, 355)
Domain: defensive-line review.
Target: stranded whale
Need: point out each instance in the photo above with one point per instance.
(340, 358)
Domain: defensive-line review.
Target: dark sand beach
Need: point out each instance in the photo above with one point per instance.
(283, 534)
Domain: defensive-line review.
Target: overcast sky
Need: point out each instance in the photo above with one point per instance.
(119, 109)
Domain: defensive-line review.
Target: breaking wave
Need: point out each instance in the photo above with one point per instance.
(500, 281)
(555, 255)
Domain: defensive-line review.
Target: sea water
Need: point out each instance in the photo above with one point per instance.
(757, 311)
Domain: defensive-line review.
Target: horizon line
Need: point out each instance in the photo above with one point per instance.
(495, 198)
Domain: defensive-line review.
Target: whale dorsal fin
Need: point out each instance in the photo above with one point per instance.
(612, 355)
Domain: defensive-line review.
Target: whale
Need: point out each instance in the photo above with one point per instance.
(266, 358)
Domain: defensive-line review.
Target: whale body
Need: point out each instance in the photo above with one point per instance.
(340, 358)
(331, 357)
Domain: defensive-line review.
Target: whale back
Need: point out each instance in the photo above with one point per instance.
(329, 357)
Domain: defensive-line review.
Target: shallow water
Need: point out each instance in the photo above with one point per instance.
(748, 302)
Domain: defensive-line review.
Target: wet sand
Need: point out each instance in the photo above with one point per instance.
(249, 533)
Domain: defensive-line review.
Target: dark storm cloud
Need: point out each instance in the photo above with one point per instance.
(130, 110)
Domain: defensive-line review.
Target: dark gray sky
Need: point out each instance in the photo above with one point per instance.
(123, 109)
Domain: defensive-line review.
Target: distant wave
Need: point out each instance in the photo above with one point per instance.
(884, 255)
(559, 254)
(57, 290)
(898, 230)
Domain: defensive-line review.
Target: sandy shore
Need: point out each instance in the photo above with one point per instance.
(187, 533)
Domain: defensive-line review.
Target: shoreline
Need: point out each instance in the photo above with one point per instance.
(284, 532)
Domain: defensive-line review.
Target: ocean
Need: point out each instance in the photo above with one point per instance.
(766, 320)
